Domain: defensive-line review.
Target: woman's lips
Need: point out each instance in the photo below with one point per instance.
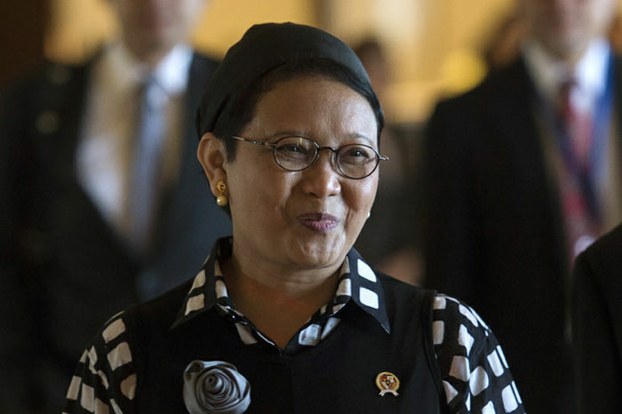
(318, 222)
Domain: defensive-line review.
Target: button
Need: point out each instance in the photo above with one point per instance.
(58, 74)
(47, 122)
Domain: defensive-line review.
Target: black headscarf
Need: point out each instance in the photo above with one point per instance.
(262, 48)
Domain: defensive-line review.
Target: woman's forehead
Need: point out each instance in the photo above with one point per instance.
(307, 91)
(305, 104)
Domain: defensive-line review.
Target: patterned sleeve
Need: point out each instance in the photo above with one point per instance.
(105, 379)
(476, 377)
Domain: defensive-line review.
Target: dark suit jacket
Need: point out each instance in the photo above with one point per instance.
(64, 271)
(597, 325)
(494, 229)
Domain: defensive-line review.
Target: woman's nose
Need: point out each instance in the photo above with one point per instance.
(320, 178)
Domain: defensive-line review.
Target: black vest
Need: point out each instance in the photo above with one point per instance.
(336, 376)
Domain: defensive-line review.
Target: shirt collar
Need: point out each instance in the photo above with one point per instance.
(590, 72)
(171, 73)
(358, 285)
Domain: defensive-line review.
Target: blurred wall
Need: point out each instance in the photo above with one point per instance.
(78, 26)
(432, 44)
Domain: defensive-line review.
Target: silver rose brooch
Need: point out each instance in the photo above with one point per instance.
(215, 387)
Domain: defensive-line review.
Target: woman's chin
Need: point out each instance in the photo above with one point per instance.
(319, 254)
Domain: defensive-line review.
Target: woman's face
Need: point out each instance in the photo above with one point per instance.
(310, 218)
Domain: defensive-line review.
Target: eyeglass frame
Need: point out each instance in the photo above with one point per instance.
(318, 148)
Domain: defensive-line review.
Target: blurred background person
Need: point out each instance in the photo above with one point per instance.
(503, 44)
(597, 325)
(99, 187)
(522, 173)
(388, 239)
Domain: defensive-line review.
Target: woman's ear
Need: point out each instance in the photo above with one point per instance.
(212, 156)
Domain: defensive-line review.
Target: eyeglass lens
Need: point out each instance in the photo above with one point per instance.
(352, 160)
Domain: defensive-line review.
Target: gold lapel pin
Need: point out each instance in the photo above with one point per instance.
(387, 382)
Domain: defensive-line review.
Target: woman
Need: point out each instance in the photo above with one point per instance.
(285, 316)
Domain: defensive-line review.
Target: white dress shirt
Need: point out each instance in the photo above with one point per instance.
(104, 155)
(590, 75)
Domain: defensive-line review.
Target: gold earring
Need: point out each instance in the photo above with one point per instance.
(221, 199)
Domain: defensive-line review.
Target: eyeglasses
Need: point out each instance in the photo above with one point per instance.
(355, 161)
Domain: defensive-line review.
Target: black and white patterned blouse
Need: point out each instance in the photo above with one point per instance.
(476, 377)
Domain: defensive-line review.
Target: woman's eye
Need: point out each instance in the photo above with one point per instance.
(358, 152)
(293, 151)
(290, 148)
(355, 155)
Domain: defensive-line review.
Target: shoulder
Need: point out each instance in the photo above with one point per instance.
(39, 101)
(400, 295)
(44, 88)
(204, 58)
(606, 247)
(456, 323)
(602, 258)
(105, 375)
(501, 83)
(159, 314)
(203, 64)
(140, 320)
(48, 74)
(110, 368)
(475, 373)
(454, 116)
